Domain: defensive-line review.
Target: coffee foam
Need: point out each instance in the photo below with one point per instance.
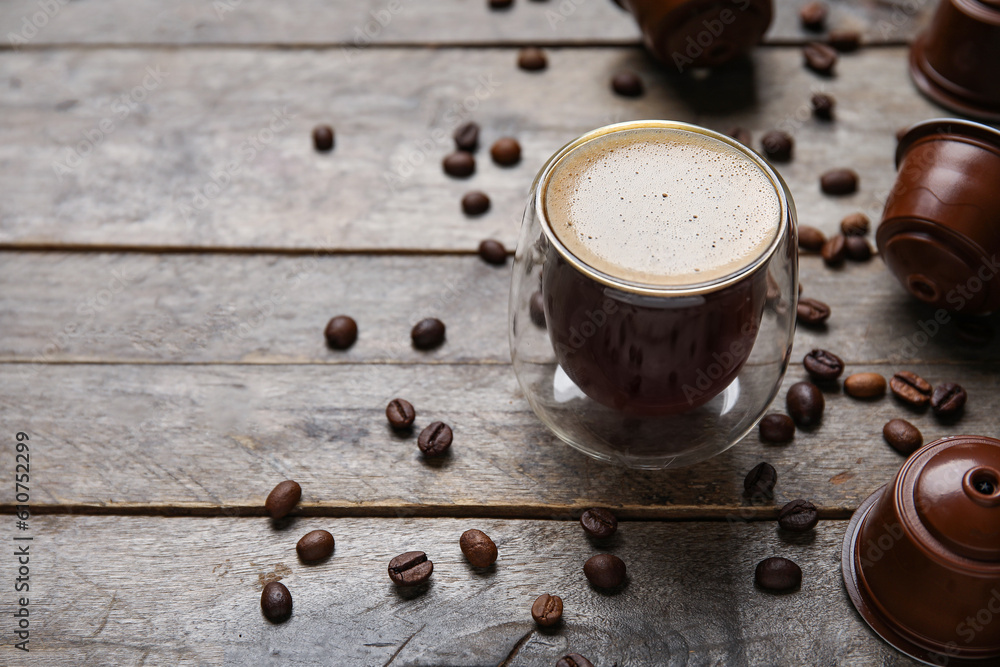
(664, 207)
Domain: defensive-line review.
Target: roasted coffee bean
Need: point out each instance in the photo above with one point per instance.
(834, 251)
(777, 146)
(323, 138)
(844, 41)
(811, 238)
(315, 545)
(813, 15)
(856, 224)
(400, 413)
(460, 164)
(410, 569)
(812, 312)
(902, 436)
(741, 135)
(573, 660)
(466, 137)
(777, 428)
(823, 365)
(276, 602)
(536, 308)
(760, 481)
(823, 105)
(839, 182)
(911, 389)
(282, 499)
(627, 83)
(532, 59)
(599, 522)
(547, 610)
(475, 203)
(605, 571)
(857, 248)
(948, 399)
(865, 385)
(506, 151)
(492, 252)
(341, 332)
(478, 548)
(798, 516)
(500, 4)
(805, 404)
(427, 333)
(820, 58)
(777, 574)
(435, 439)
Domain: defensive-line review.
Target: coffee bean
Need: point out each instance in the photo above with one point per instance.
(777, 574)
(536, 308)
(856, 224)
(341, 332)
(865, 385)
(627, 83)
(834, 251)
(605, 571)
(506, 151)
(760, 481)
(823, 105)
(547, 610)
(844, 41)
(857, 248)
(599, 522)
(805, 404)
(902, 436)
(435, 439)
(813, 15)
(839, 182)
(282, 499)
(323, 138)
(475, 203)
(400, 413)
(777, 428)
(820, 58)
(811, 238)
(478, 548)
(777, 146)
(532, 59)
(948, 399)
(798, 516)
(410, 569)
(973, 331)
(427, 333)
(573, 660)
(466, 137)
(823, 365)
(741, 135)
(315, 545)
(500, 4)
(460, 164)
(492, 252)
(911, 389)
(812, 312)
(276, 602)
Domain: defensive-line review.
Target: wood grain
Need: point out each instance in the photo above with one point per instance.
(690, 599)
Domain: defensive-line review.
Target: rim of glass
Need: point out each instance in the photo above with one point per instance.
(645, 288)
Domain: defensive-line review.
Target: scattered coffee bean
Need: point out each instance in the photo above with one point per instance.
(760, 481)
(493, 252)
(865, 385)
(820, 58)
(547, 610)
(948, 399)
(902, 436)
(811, 238)
(410, 569)
(857, 248)
(276, 602)
(400, 413)
(805, 404)
(315, 545)
(478, 548)
(475, 203)
(323, 138)
(777, 428)
(856, 224)
(834, 251)
(844, 41)
(798, 516)
(911, 389)
(839, 182)
(778, 574)
(777, 146)
(341, 332)
(741, 135)
(460, 164)
(599, 522)
(282, 499)
(812, 312)
(822, 365)
(427, 333)
(500, 4)
(532, 59)
(536, 308)
(813, 15)
(573, 660)
(823, 105)
(467, 137)
(627, 83)
(435, 439)
(506, 151)
(605, 571)
(973, 331)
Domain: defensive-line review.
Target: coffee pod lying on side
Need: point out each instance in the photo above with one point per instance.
(921, 557)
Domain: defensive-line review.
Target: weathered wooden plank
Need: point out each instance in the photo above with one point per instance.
(159, 175)
(207, 438)
(690, 599)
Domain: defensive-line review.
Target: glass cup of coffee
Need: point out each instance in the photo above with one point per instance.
(652, 302)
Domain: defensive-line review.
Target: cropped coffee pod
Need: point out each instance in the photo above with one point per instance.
(921, 557)
(939, 233)
(955, 61)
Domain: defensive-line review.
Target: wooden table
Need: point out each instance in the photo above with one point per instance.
(163, 290)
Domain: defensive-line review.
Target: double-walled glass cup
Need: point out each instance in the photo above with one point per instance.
(650, 375)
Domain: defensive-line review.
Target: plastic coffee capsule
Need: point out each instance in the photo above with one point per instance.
(921, 557)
